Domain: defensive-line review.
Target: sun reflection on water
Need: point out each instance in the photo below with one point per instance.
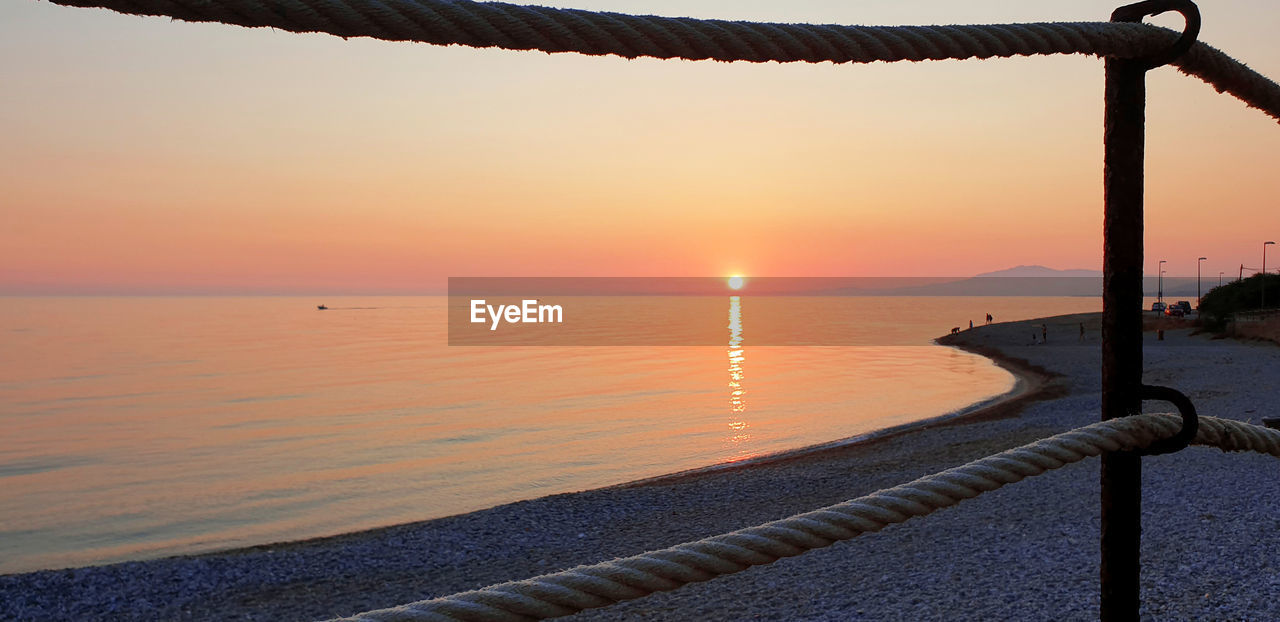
(738, 427)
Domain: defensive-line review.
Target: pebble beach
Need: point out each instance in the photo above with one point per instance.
(1029, 551)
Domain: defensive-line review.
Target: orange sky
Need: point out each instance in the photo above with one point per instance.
(144, 155)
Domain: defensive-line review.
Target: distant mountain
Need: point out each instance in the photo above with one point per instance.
(1017, 281)
(1039, 271)
(1023, 280)
(1043, 281)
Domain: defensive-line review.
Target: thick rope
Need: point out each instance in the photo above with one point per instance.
(570, 591)
(520, 27)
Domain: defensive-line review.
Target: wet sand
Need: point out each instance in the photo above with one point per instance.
(1028, 551)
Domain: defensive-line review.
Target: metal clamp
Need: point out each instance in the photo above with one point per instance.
(1189, 11)
(1190, 421)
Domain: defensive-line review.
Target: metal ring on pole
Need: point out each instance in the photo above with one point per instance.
(1190, 420)
(1189, 11)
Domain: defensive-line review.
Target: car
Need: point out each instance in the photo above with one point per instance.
(1159, 307)
(1174, 311)
(1184, 305)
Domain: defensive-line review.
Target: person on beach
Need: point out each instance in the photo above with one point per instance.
(1044, 333)
(989, 318)
(970, 324)
(1081, 331)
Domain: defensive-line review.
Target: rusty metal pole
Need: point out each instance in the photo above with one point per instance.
(1124, 138)
(1122, 330)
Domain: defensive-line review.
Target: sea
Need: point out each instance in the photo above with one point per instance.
(140, 427)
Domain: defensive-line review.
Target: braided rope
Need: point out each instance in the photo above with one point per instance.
(570, 591)
(519, 27)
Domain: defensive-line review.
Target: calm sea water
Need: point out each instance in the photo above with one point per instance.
(148, 426)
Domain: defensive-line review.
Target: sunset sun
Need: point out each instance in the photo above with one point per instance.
(736, 282)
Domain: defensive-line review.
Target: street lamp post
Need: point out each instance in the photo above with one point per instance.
(1160, 281)
(1264, 272)
(1198, 280)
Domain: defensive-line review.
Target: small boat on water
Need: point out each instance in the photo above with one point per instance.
(321, 307)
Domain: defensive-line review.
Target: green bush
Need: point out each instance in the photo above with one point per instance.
(1217, 306)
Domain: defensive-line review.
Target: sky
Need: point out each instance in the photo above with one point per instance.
(145, 155)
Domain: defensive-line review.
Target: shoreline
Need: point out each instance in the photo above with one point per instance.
(1026, 550)
(1031, 384)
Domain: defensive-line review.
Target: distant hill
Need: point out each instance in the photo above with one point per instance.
(1039, 271)
(1017, 281)
(1044, 281)
(1033, 280)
